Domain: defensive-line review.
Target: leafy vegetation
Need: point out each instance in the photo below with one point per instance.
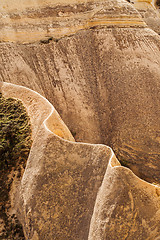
(15, 143)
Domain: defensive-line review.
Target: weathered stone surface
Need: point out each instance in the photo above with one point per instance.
(29, 21)
(61, 180)
(58, 200)
(149, 12)
(104, 81)
(105, 85)
(126, 207)
(65, 181)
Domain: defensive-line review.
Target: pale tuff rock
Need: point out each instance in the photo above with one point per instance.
(150, 13)
(105, 85)
(126, 207)
(30, 21)
(103, 79)
(63, 180)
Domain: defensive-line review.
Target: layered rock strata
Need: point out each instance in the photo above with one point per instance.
(30, 21)
(149, 11)
(63, 180)
(100, 68)
(105, 85)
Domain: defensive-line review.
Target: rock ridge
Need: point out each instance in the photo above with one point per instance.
(65, 183)
(55, 20)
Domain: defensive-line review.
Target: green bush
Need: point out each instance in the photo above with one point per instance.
(15, 133)
(15, 143)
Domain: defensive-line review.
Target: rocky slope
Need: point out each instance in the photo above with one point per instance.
(77, 191)
(150, 13)
(29, 21)
(105, 85)
(99, 65)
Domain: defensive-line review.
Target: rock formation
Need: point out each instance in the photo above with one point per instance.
(30, 21)
(149, 11)
(63, 180)
(98, 63)
(126, 207)
(105, 85)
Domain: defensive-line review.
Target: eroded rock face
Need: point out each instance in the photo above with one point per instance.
(105, 85)
(80, 191)
(61, 180)
(40, 110)
(60, 197)
(30, 21)
(104, 81)
(150, 13)
(126, 207)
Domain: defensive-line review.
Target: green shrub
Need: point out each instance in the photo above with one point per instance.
(15, 143)
(15, 133)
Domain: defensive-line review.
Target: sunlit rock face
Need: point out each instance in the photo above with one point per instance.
(149, 11)
(78, 191)
(126, 207)
(99, 65)
(104, 84)
(30, 21)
